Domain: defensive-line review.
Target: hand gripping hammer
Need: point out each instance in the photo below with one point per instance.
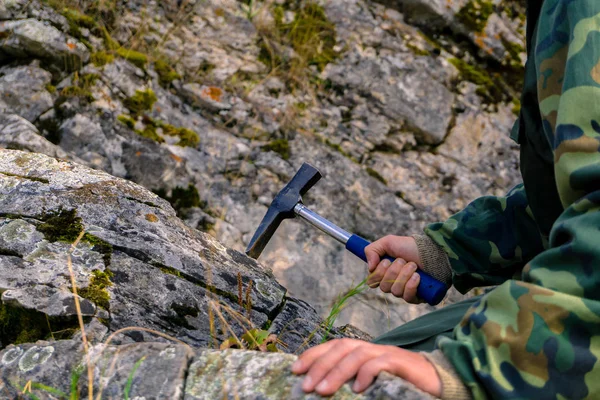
(288, 204)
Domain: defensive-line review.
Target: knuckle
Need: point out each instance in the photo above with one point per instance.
(397, 290)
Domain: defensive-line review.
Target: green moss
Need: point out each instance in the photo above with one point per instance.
(376, 175)
(149, 132)
(279, 146)
(81, 87)
(170, 271)
(417, 50)
(141, 101)
(310, 34)
(135, 57)
(474, 15)
(51, 88)
(101, 58)
(100, 246)
(126, 120)
(109, 42)
(187, 137)
(19, 325)
(487, 89)
(166, 73)
(65, 226)
(181, 198)
(96, 290)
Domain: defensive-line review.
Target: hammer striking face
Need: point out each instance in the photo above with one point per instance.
(282, 207)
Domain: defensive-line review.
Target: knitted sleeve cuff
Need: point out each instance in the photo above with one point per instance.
(452, 387)
(434, 259)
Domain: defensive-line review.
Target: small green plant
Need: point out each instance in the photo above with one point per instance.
(279, 146)
(135, 57)
(475, 14)
(142, 100)
(166, 73)
(81, 87)
(312, 37)
(126, 120)
(96, 290)
(253, 339)
(488, 89)
(101, 58)
(339, 305)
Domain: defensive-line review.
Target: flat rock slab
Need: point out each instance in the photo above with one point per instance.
(166, 371)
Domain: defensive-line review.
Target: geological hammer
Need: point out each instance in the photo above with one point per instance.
(288, 204)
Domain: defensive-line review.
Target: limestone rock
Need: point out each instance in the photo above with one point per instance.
(401, 138)
(24, 91)
(32, 38)
(166, 371)
(19, 134)
(136, 259)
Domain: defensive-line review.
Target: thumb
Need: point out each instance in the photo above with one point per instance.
(374, 252)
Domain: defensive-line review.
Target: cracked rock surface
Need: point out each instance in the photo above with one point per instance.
(169, 371)
(136, 265)
(408, 122)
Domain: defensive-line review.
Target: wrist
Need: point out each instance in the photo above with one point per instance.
(433, 259)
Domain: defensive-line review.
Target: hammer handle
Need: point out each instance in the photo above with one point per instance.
(430, 289)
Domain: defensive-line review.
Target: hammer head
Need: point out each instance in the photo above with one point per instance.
(282, 207)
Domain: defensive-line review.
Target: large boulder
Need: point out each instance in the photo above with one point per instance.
(135, 263)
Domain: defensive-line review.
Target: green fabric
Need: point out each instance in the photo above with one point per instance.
(537, 335)
(421, 333)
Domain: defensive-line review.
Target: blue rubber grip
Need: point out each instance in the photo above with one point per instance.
(430, 289)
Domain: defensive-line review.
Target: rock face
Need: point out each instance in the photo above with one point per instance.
(135, 265)
(405, 106)
(49, 369)
(141, 276)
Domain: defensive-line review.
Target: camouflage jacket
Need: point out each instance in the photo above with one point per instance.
(537, 334)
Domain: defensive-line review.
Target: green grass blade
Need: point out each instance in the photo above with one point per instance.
(130, 378)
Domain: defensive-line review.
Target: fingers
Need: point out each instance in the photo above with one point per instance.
(402, 278)
(347, 368)
(410, 290)
(376, 276)
(320, 363)
(369, 371)
(391, 275)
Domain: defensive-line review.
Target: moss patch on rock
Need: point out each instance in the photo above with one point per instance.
(19, 325)
(101, 58)
(96, 290)
(166, 73)
(474, 15)
(488, 89)
(142, 100)
(181, 198)
(81, 87)
(187, 137)
(135, 57)
(279, 146)
(376, 175)
(65, 226)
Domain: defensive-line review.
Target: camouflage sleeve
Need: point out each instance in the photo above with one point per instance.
(540, 337)
(489, 241)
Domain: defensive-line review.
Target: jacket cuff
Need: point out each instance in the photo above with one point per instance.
(434, 259)
(452, 387)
